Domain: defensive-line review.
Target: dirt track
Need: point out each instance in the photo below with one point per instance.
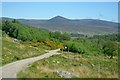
(10, 70)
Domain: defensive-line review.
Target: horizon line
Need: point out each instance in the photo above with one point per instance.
(60, 16)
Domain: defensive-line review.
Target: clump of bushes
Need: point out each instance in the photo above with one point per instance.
(53, 44)
(74, 47)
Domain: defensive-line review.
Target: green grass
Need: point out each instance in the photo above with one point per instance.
(83, 66)
(13, 51)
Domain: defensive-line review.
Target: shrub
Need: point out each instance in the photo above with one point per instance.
(110, 49)
(16, 58)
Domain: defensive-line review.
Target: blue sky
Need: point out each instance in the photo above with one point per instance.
(72, 10)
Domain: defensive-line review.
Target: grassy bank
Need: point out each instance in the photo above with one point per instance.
(83, 66)
(13, 51)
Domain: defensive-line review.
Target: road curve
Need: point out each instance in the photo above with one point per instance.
(10, 70)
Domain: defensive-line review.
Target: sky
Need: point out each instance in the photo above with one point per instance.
(60, 0)
(72, 10)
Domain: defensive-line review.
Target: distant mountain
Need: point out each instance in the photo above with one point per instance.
(82, 26)
(58, 19)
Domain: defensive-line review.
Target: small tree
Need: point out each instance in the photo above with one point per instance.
(65, 36)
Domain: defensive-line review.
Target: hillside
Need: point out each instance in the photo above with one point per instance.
(22, 41)
(82, 26)
(80, 57)
(13, 50)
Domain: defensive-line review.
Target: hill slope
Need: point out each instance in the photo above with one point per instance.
(84, 26)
